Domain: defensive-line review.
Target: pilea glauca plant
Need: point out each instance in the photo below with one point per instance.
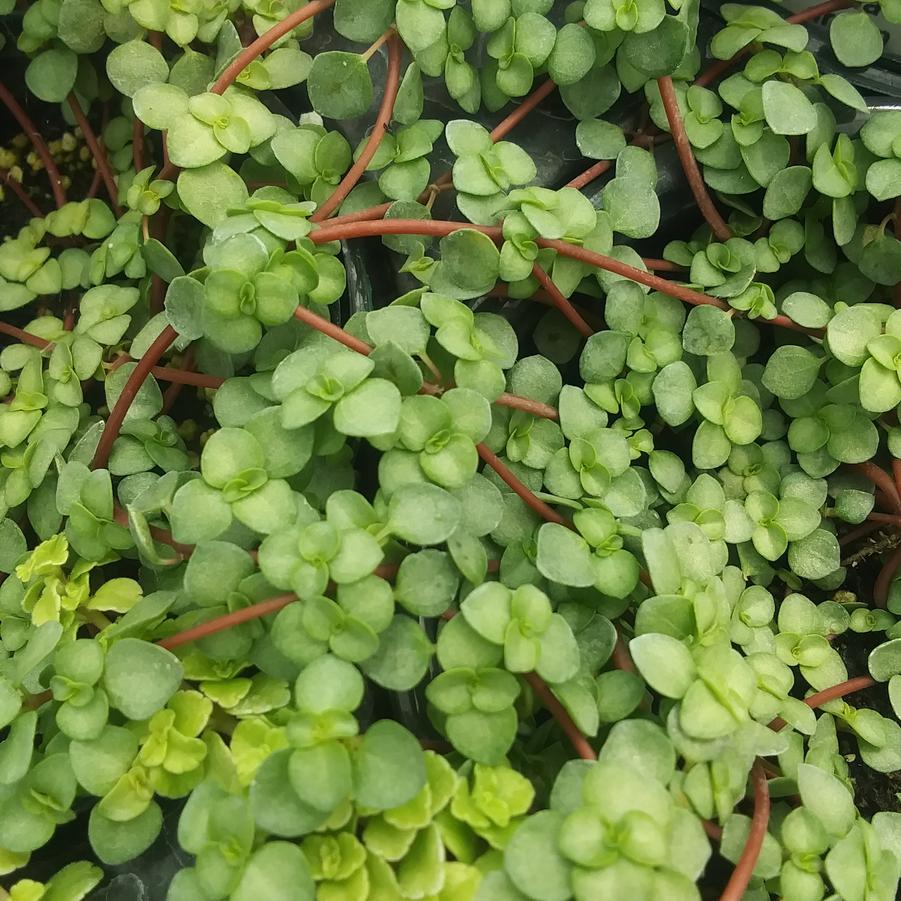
(379, 520)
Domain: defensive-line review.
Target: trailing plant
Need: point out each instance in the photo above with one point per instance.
(410, 588)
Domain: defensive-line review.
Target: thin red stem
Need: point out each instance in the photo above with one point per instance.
(579, 742)
(563, 305)
(185, 377)
(252, 52)
(896, 472)
(98, 152)
(37, 141)
(883, 584)
(860, 683)
(265, 41)
(177, 385)
(21, 193)
(888, 519)
(335, 332)
(689, 164)
(139, 374)
(220, 623)
(897, 226)
(161, 535)
(379, 130)
(819, 9)
(137, 144)
(741, 875)
(368, 215)
(590, 174)
(882, 480)
(860, 532)
(334, 231)
(506, 125)
(621, 657)
(534, 407)
(527, 405)
(94, 188)
(546, 512)
(657, 265)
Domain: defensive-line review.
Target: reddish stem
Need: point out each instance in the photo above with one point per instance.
(177, 385)
(368, 215)
(137, 144)
(860, 532)
(536, 408)
(656, 265)
(860, 683)
(563, 305)
(882, 585)
(437, 228)
(527, 405)
(896, 472)
(379, 130)
(21, 193)
(265, 41)
(220, 623)
(882, 480)
(185, 377)
(888, 519)
(621, 657)
(163, 342)
(98, 153)
(722, 66)
(689, 164)
(333, 331)
(37, 141)
(590, 174)
(252, 52)
(94, 188)
(819, 9)
(505, 126)
(564, 720)
(897, 226)
(161, 535)
(744, 869)
(522, 491)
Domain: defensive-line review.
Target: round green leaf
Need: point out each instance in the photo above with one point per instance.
(208, 192)
(855, 38)
(389, 767)
(134, 64)
(340, 85)
(50, 76)
(140, 677)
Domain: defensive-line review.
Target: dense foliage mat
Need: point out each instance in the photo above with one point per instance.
(380, 521)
